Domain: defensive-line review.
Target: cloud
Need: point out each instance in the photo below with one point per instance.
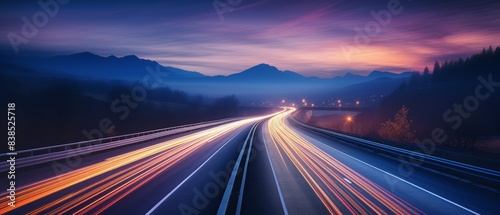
(303, 36)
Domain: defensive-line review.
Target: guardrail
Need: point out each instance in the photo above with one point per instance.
(40, 155)
(472, 173)
(232, 198)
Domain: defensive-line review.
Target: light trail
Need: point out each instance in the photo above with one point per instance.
(126, 173)
(339, 188)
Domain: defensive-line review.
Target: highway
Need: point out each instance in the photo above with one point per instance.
(165, 177)
(289, 170)
(315, 174)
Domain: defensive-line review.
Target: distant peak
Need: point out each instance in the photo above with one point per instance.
(131, 57)
(378, 72)
(264, 65)
(262, 68)
(84, 54)
(348, 74)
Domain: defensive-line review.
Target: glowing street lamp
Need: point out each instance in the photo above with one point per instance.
(357, 102)
(349, 119)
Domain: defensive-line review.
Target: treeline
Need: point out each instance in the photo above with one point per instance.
(485, 63)
(459, 96)
(52, 110)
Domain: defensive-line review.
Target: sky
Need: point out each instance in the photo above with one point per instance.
(323, 38)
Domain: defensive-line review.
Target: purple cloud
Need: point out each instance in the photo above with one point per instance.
(304, 36)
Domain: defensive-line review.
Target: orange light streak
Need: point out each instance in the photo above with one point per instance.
(326, 176)
(133, 169)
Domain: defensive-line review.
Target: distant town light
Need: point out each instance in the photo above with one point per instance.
(338, 101)
(357, 102)
(349, 119)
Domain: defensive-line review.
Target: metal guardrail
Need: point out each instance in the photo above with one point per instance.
(473, 173)
(40, 155)
(232, 198)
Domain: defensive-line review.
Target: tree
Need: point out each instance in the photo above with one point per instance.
(414, 81)
(399, 128)
(436, 72)
(426, 71)
(426, 77)
(225, 107)
(437, 67)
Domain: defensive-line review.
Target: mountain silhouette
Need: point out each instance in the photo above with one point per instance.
(265, 72)
(91, 66)
(262, 79)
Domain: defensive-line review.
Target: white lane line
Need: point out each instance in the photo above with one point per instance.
(347, 180)
(414, 185)
(283, 205)
(184, 181)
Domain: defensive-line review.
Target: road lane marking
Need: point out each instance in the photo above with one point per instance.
(347, 180)
(285, 211)
(191, 175)
(407, 182)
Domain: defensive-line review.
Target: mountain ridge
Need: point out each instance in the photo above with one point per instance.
(262, 79)
(256, 72)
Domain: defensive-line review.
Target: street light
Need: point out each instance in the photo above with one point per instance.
(350, 124)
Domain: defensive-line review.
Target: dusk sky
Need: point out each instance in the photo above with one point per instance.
(311, 37)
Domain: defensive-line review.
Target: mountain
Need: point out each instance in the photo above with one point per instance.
(262, 79)
(91, 66)
(381, 74)
(349, 78)
(265, 72)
